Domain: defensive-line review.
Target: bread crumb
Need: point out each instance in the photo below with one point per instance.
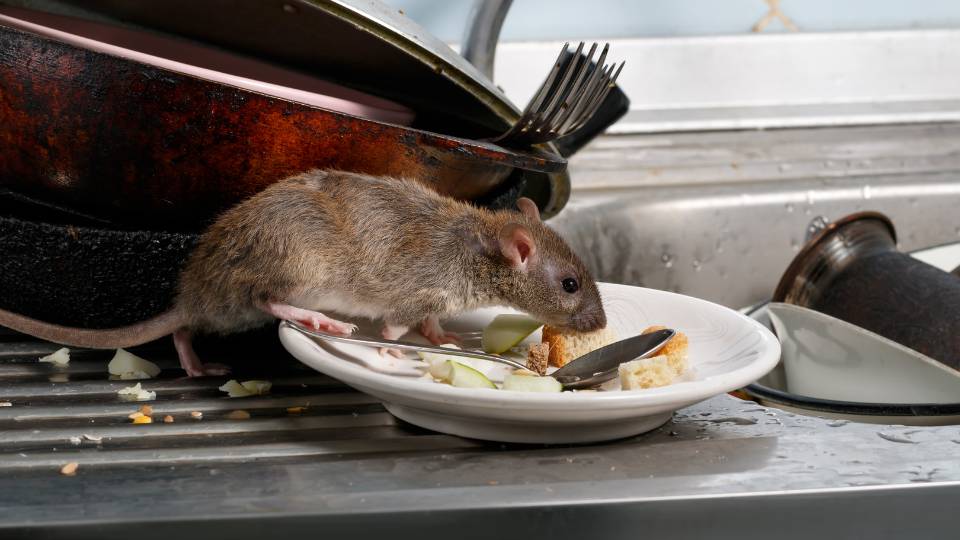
(567, 345)
(238, 415)
(646, 373)
(296, 410)
(537, 358)
(196, 415)
(675, 350)
(134, 415)
(75, 441)
(69, 469)
(146, 409)
(6, 404)
(92, 438)
(168, 419)
(143, 420)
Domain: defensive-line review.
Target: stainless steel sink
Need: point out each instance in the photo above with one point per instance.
(720, 215)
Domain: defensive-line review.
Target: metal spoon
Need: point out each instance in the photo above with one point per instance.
(590, 369)
(601, 365)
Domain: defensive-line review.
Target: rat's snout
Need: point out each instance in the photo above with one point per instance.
(590, 319)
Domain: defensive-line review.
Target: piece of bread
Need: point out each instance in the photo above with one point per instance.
(675, 350)
(646, 373)
(537, 358)
(567, 345)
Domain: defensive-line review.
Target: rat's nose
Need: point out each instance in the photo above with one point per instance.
(589, 320)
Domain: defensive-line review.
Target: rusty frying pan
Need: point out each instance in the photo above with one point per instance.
(145, 147)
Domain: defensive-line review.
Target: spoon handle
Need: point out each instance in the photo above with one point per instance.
(403, 345)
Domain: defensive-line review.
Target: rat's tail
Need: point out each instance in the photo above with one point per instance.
(107, 338)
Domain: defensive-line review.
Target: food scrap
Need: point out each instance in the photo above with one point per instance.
(126, 365)
(246, 388)
(238, 415)
(75, 441)
(567, 345)
(168, 419)
(137, 392)
(196, 415)
(142, 419)
(506, 331)
(296, 410)
(675, 350)
(146, 409)
(646, 373)
(6, 404)
(59, 358)
(660, 370)
(69, 469)
(520, 382)
(537, 357)
(92, 438)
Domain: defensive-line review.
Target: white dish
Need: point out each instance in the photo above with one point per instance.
(827, 358)
(206, 63)
(727, 351)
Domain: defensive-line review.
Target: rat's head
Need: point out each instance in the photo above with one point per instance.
(542, 276)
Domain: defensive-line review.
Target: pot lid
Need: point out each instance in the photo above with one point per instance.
(363, 44)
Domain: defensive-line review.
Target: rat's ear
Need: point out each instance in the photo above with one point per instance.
(528, 208)
(516, 244)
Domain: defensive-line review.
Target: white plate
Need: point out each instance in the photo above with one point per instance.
(727, 351)
(206, 63)
(827, 358)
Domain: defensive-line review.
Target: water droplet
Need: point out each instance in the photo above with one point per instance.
(912, 201)
(866, 192)
(789, 207)
(794, 245)
(827, 164)
(667, 260)
(697, 266)
(838, 423)
(784, 167)
(866, 163)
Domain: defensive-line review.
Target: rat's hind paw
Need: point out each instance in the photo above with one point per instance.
(309, 318)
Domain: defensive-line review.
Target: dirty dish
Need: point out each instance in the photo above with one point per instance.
(727, 351)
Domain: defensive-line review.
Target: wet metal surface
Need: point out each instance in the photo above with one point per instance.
(346, 466)
(721, 215)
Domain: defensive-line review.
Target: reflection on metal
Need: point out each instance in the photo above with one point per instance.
(483, 32)
(721, 215)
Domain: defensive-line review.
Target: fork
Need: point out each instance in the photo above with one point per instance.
(567, 99)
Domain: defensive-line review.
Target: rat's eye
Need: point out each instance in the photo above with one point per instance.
(570, 285)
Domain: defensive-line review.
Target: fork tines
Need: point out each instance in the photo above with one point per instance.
(567, 99)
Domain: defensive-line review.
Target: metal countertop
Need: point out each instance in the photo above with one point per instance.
(724, 467)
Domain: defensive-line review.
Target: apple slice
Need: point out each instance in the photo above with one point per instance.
(461, 376)
(531, 383)
(506, 331)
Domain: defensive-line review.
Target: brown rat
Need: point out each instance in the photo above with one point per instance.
(358, 246)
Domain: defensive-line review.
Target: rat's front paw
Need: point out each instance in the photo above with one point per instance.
(431, 329)
(384, 351)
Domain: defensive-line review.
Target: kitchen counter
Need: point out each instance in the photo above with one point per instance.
(722, 468)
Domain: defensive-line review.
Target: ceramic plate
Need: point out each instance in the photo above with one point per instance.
(827, 358)
(727, 351)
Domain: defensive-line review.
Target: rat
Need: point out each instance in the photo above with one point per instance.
(328, 243)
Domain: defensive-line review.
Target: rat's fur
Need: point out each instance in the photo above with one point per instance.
(358, 245)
